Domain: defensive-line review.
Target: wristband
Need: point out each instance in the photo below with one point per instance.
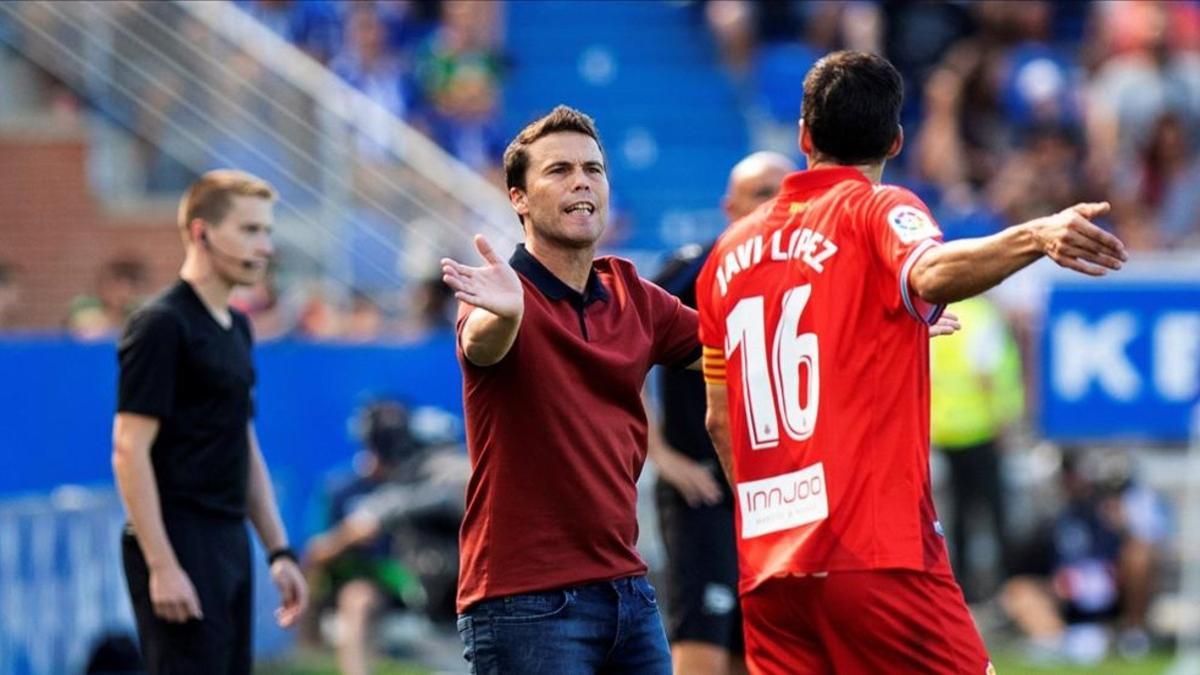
(278, 553)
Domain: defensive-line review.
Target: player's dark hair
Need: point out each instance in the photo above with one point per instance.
(562, 118)
(851, 107)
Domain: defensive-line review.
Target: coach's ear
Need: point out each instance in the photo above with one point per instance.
(519, 201)
(897, 143)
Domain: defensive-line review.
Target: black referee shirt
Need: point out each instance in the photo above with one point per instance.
(177, 364)
(682, 392)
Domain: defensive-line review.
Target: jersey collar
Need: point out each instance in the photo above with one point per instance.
(551, 286)
(816, 179)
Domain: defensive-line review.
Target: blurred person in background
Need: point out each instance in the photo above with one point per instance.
(320, 317)
(1092, 565)
(369, 63)
(695, 504)
(364, 320)
(10, 296)
(430, 309)
(120, 286)
(415, 501)
(459, 69)
(1157, 205)
(185, 452)
(312, 25)
(976, 394)
(262, 304)
(359, 574)
(1153, 70)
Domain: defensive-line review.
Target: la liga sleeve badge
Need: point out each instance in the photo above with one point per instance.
(911, 224)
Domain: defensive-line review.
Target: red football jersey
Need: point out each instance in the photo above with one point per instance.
(806, 311)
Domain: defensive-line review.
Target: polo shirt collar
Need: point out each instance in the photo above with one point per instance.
(551, 286)
(816, 179)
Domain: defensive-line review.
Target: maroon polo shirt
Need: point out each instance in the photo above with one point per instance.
(557, 433)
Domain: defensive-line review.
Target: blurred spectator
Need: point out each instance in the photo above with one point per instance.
(368, 62)
(365, 320)
(1094, 564)
(357, 570)
(261, 304)
(459, 68)
(10, 296)
(1154, 195)
(977, 393)
(967, 131)
(418, 500)
(120, 287)
(320, 318)
(431, 308)
(311, 25)
(1041, 176)
(1155, 72)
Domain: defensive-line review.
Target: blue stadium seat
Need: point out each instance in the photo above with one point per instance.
(648, 73)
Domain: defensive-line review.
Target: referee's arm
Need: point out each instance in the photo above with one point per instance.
(264, 514)
(171, 591)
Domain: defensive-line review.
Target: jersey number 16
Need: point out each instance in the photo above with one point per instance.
(745, 328)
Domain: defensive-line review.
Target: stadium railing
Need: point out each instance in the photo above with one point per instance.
(367, 200)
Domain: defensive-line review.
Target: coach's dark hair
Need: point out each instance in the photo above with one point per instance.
(562, 118)
(852, 107)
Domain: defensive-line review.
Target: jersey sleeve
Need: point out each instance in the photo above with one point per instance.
(900, 229)
(675, 342)
(148, 356)
(712, 324)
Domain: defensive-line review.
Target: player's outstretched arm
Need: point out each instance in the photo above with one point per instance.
(968, 267)
(494, 289)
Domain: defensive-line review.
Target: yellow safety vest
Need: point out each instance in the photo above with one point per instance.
(976, 378)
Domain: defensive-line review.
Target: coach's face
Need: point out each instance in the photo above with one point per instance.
(566, 197)
(243, 240)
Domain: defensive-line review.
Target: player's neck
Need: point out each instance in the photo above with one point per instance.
(873, 172)
(572, 266)
(213, 290)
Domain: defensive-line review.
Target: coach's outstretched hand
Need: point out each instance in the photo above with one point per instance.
(495, 286)
(293, 591)
(1072, 240)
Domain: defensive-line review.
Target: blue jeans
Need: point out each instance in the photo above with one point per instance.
(606, 627)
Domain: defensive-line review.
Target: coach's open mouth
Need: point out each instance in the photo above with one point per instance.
(581, 207)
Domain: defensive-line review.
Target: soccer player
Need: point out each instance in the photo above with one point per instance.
(185, 454)
(554, 347)
(815, 311)
(695, 507)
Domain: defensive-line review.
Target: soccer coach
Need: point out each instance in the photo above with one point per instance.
(185, 454)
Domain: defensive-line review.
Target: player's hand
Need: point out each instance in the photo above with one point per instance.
(693, 480)
(173, 595)
(1072, 240)
(293, 591)
(947, 324)
(494, 287)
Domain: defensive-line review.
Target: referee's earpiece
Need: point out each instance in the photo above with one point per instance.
(245, 263)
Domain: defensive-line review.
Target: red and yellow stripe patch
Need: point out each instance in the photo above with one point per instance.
(713, 362)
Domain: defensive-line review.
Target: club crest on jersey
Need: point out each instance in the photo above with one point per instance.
(911, 224)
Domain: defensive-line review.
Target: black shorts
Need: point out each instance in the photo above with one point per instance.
(215, 553)
(701, 579)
